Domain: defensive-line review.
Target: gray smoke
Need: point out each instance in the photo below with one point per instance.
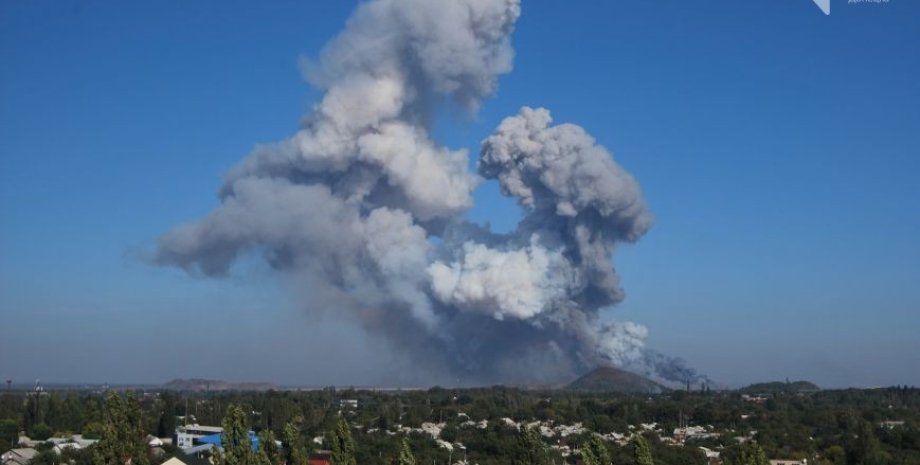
(363, 211)
(670, 369)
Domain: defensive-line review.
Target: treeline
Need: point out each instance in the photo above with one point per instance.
(826, 427)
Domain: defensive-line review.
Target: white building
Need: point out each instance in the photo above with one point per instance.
(173, 461)
(348, 403)
(18, 456)
(891, 424)
(693, 432)
(62, 446)
(186, 435)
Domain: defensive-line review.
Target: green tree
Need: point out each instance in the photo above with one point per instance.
(45, 457)
(9, 434)
(295, 453)
(641, 451)
(836, 454)
(342, 444)
(749, 453)
(122, 439)
(865, 450)
(41, 432)
(166, 424)
(757, 455)
(93, 430)
(531, 450)
(449, 433)
(268, 448)
(405, 454)
(235, 439)
(595, 452)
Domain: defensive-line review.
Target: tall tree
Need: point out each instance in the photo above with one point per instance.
(865, 450)
(9, 434)
(235, 438)
(166, 424)
(595, 452)
(587, 455)
(268, 449)
(343, 445)
(748, 453)
(758, 456)
(122, 440)
(531, 450)
(641, 451)
(405, 454)
(295, 453)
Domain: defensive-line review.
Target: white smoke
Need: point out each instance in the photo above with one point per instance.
(362, 206)
(519, 283)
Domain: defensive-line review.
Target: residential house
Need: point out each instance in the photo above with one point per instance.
(320, 457)
(62, 446)
(25, 441)
(174, 461)
(712, 456)
(18, 456)
(889, 424)
(693, 432)
(83, 442)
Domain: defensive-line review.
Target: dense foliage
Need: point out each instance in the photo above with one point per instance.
(827, 427)
(123, 432)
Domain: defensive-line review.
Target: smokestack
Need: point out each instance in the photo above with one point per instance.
(364, 211)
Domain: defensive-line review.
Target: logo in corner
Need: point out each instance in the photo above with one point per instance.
(824, 5)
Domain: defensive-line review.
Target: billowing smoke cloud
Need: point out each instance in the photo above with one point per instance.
(363, 211)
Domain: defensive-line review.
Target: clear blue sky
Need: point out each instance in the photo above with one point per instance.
(778, 148)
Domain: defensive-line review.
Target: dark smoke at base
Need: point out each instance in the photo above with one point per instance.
(363, 212)
(672, 371)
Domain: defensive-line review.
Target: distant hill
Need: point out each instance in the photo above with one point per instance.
(609, 379)
(780, 386)
(197, 384)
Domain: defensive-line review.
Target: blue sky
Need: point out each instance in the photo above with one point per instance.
(777, 147)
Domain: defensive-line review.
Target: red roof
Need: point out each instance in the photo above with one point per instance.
(320, 459)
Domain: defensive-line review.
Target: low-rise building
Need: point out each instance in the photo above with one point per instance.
(174, 461)
(21, 456)
(187, 435)
(348, 403)
(25, 442)
(693, 432)
(889, 424)
(83, 442)
(62, 446)
(320, 457)
(217, 440)
(713, 457)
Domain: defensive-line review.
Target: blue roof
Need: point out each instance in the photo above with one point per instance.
(215, 439)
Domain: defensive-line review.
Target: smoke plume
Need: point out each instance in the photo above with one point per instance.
(363, 211)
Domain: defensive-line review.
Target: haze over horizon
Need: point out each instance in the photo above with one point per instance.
(775, 148)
